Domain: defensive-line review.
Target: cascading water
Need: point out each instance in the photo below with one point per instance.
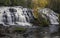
(15, 16)
(22, 17)
(53, 18)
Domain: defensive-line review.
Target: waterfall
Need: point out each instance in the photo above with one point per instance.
(53, 18)
(15, 16)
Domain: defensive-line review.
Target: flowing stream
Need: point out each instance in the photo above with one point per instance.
(53, 19)
(19, 16)
(15, 16)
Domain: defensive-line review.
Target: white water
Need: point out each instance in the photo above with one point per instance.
(23, 18)
(53, 18)
(15, 16)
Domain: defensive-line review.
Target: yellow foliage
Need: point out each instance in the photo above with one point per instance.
(35, 12)
(38, 4)
(35, 6)
(42, 3)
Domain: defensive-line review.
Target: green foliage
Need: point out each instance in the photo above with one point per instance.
(23, 3)
(17, 28)
(29, 3)
(1, 2)
(7, 2)
(19, 2)
(41, 21)
(13, 3)
(54, 5)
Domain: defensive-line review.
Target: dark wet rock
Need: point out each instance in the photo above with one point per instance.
(12, 10)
